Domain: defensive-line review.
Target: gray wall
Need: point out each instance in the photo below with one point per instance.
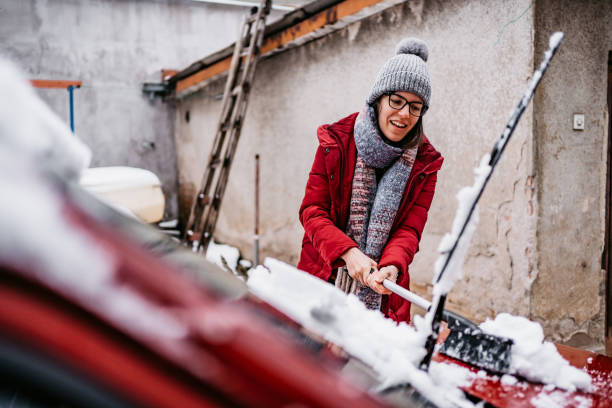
(569, 292)
(113, 47)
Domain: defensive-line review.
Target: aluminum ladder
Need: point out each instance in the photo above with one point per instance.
(205, 207)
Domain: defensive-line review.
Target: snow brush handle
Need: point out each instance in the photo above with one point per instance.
(452, 319)
(406, 294)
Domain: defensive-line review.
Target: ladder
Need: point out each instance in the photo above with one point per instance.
(205, 207)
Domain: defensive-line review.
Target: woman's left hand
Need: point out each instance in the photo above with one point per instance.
(375, 280)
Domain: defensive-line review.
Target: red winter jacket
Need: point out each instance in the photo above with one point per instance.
(325, 210)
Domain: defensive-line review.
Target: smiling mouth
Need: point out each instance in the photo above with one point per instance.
(399, 125)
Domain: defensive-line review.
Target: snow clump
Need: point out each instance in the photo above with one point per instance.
(216, 253)
(28, 126)
(532, 357)
(393, 351)
(466, 196)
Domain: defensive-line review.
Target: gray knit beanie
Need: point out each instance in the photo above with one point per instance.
(405, 71)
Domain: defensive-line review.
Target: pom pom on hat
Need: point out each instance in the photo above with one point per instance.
(413, 46)
(405, 71)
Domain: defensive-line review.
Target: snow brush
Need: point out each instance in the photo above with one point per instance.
(468, 345)
(465, 341)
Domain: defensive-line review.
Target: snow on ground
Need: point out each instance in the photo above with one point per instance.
(534, 358)
(392, 350)
(217, 252)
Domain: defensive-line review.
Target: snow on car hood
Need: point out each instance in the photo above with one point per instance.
(394, 351)
(29, 127)
(38, 153)
(534, 358)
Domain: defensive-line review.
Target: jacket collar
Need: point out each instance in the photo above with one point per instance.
(428, 159)
(337, 133)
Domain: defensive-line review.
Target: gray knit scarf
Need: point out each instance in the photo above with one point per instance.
(374, 205)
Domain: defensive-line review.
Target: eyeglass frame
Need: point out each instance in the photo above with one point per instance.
(406, 102)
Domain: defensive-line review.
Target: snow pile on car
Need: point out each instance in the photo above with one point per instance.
(38, 153)
(392, 350)
(534, 358)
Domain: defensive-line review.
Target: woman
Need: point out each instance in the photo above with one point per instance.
(371, 185)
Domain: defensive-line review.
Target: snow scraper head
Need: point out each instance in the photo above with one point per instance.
(471, 345)
(466, 342)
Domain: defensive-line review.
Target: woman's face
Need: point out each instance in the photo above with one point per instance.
(396, 124)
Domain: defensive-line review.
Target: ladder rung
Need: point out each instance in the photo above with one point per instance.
(203, 199)
(244, 87)
(194, 236)
(214, 163)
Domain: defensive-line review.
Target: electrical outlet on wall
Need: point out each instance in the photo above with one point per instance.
(578, 121)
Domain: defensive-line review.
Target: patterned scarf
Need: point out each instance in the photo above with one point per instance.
(374, 205)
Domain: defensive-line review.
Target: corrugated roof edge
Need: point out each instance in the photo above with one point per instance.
(359, 9)
(288, 20)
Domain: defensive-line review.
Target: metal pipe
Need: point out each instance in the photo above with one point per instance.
(256, 235)
(246, 4)
(71, 101)
(453, 320)
(406, 294)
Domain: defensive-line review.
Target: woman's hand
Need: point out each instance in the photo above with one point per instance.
(375, 280)
(358, 264)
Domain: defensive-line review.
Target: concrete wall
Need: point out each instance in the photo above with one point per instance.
(476, 81)
(537, 250)
(568, 294)
(113, 47)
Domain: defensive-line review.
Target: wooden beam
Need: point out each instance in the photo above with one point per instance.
(200, 76)
(50, 83)
(325, 17)
(167, 73)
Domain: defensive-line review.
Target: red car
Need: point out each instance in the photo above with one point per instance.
(171, 342)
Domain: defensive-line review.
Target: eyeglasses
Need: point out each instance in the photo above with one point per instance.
(398, 102)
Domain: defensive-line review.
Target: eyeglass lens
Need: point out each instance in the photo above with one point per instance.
(398, 102)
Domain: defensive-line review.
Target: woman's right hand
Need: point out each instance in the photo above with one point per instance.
(358, 264)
